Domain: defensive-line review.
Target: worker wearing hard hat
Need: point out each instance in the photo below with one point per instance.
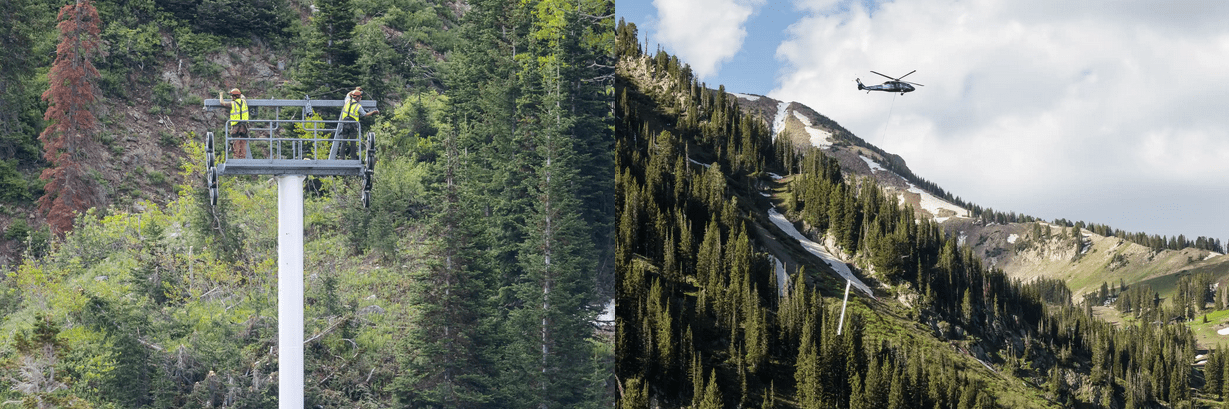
(350, 114)
(238, 112)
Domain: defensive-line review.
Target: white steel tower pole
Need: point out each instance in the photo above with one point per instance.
(290, 291)
(841, 324)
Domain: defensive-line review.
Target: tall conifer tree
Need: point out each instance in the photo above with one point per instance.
(329, 66)
(70, 98)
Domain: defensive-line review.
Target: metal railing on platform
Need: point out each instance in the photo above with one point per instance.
(299, 145)
(296, 146)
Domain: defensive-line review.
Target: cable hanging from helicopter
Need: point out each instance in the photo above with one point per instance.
(894, 85)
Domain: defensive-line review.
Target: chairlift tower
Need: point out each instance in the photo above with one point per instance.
(290, 158)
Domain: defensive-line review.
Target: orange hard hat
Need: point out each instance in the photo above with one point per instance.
(235, 91)
(358, 91)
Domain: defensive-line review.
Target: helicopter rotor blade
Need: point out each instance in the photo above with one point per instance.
(885, 76)
(906, 75)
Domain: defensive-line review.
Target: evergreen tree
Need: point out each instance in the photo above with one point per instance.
(443, 368)
(712, 394)
(329, 64)
(22, 24)
(807, 373)
(68, 136)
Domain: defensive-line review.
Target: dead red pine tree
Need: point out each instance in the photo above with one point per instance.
(70, 97)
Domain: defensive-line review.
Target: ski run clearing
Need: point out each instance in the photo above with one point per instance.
(818, 250)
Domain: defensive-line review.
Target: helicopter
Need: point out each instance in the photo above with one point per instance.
(895, 85)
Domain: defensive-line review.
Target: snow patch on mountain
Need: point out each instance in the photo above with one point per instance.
(933, 204)
(820, 138)
(778, 122)
(1012, 238)
(929, 202)
(782, 278)
(746, 97)
(874, 165)
(818, 250)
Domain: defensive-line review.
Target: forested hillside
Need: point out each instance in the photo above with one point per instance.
(1021, 245)
(705, 321)
(473, 280)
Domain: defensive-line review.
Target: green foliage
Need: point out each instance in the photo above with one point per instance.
(27, 38)
(164, 95)
(17, 230)
(197, 46)
(239, 19)
(328, 68)
(13, 186)
(172, 306)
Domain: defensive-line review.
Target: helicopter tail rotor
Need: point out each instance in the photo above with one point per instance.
(860, 86)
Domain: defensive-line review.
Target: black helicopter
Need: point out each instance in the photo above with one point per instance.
(895, 85)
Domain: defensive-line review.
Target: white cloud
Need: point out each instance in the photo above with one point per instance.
(704, 33)
(1026, 101)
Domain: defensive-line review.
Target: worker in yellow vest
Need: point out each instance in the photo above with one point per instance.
(238, 111)
(351, 112)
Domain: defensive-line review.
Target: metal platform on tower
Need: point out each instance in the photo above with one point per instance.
(296, 146)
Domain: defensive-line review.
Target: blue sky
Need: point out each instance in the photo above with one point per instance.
(753, 68)
(1102, 111)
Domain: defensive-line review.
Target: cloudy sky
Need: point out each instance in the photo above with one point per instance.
(1103, 111)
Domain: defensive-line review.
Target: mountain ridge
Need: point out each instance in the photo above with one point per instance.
(858, 157)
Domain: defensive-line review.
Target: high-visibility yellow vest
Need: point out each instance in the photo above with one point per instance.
(350, 111)
(238, 110)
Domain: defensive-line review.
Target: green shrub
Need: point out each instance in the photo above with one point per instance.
(164, 94)
(206, 69)
(167, 139)
(112, 84)
(156, 177)
(193, 100)
(39, 241)
(197, 46)
(13, 187)
(17, 230)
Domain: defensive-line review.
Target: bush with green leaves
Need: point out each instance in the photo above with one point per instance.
(13, 187)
